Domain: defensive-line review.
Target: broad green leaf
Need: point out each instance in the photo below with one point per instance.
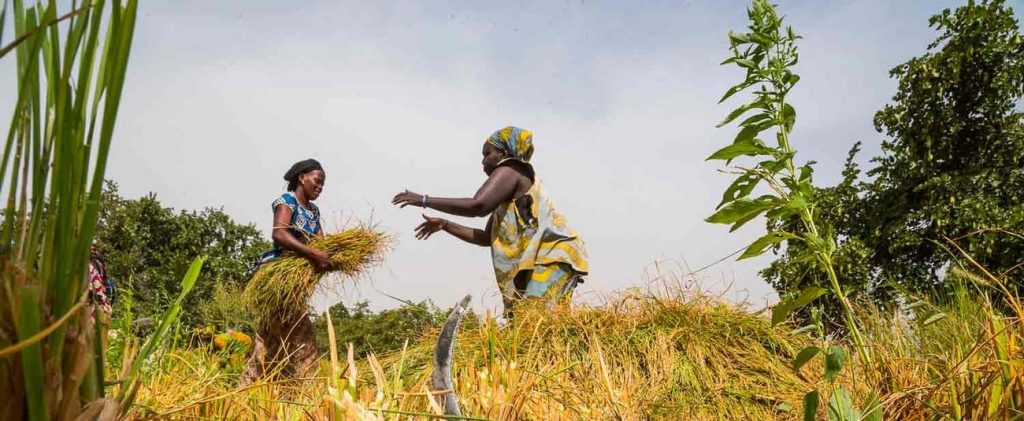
(840, 407)
(733, 90)
(758, 118)
(807, 295)
(738, 39)
(768, 202)
(788, 116)
(805, 172)
(792, 79)
(779, 213)
(761, 39)
(739, 149)
(804, 356)
(747, 134)
(811, 401)
(782, 309)
(772, 166)
(743, 221)
(739, 210)
(742, 187)
(797, 203)
(740, 111)
(746, 63)
(759, 246)
(835, 359)
(872, 408)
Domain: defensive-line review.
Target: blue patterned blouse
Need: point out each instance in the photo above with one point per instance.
(304, 225)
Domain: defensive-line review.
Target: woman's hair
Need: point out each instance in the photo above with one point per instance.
(299, 168)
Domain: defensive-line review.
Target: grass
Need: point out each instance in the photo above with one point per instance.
(638, 356)
(70, 69)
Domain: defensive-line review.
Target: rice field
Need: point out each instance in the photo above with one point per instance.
(654, 355)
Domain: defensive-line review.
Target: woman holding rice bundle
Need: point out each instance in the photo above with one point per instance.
(296, 220)
(536, 255)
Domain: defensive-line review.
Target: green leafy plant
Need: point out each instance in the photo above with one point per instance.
(69, 85)
(767, 54)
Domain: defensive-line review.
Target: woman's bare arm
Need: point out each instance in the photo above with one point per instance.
(499, 188)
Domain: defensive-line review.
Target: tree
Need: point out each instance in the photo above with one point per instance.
(151, 246)
(952, 166)
(377, 332)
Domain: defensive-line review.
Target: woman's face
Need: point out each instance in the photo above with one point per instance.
(492, 156)
(312, 183)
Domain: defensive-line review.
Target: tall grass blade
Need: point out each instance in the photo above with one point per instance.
(169, 318)
(32, 356)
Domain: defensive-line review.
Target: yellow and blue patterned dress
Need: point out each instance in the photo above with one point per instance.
(529, 235)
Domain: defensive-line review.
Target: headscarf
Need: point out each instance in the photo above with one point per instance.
(517, 143)
(299, 168)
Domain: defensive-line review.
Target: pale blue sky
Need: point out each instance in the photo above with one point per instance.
(621, 96)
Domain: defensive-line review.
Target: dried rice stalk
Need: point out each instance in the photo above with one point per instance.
(284, 286)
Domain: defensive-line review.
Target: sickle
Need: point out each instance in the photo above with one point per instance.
(442, 375)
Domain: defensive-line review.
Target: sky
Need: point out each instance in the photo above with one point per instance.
(222, 97)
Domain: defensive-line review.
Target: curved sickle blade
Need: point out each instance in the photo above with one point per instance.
(442, 375)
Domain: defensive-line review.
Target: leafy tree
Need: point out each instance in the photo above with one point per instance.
(151, 247)
(954, 163)
(377, 332)
(952, 166)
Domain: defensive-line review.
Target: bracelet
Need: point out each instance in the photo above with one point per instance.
(423, 203)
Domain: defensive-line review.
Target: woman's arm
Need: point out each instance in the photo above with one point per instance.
(498, 188)
(287, 241)
(480, 237)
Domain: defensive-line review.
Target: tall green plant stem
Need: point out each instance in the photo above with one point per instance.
(823, 256)
(767, 54)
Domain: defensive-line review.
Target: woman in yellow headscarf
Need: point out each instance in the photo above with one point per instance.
(535, 252)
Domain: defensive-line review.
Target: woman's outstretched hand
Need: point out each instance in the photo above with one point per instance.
(407, 198)
(429, 227)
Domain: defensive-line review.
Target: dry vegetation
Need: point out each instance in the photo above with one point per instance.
(639, 356)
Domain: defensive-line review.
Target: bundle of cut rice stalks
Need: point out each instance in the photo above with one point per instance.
(283, 287)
